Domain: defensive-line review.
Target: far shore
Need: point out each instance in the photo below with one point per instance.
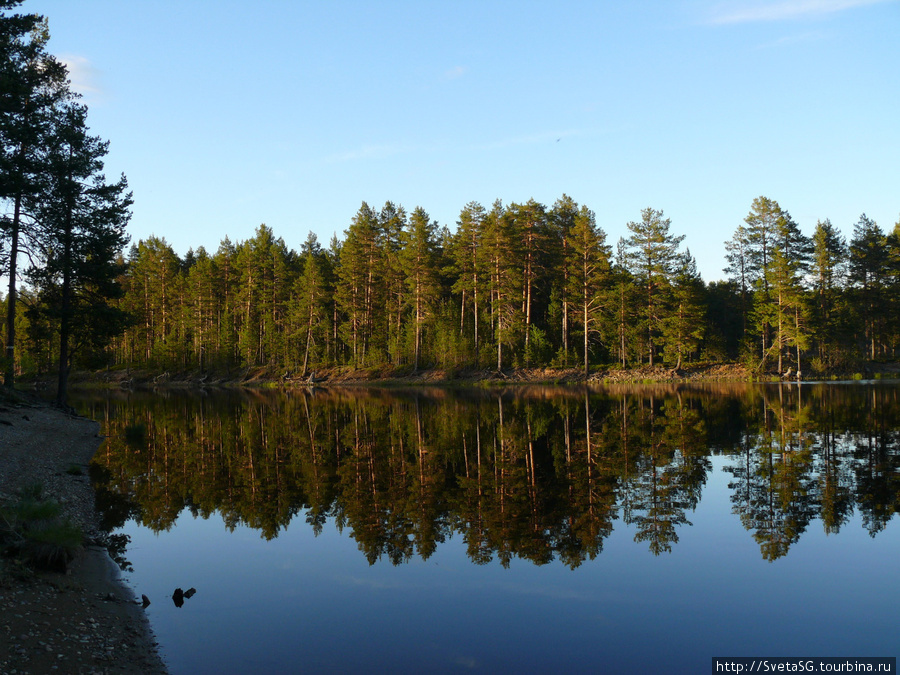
(387, 375)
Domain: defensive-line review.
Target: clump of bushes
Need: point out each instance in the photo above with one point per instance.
(33, 531)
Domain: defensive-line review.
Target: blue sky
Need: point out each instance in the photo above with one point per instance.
(225, 115)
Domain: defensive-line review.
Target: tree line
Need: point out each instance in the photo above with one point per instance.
(519, 285)
(516, 285)
(62, 215)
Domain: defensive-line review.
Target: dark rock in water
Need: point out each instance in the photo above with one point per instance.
(189, 593)
(145, 600)
(178, 597)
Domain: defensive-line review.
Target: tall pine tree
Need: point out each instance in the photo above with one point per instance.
(83, 219)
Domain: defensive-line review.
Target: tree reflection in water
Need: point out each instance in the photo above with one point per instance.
(534, 473)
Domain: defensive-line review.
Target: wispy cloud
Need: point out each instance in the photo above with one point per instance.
(531, 139)
(368, 152)
(82, 74)
(792, 39)
(454, 73)
(744, 12)
(383, 151)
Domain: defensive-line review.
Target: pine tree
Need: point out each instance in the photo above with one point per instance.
(83, 221)
(739, 269)
(828, 271)
(204, 307)
(392, 222)
(227, 320)
(32, 85)
(419, 262)
(762, 224)
(503, 255)
(154, 271)
(869, 272)
(562, 216)
(360, 292)
(468, 259)
(588, 275)
(624, 291)
(529, 221)
(785, 310)
(313, 302)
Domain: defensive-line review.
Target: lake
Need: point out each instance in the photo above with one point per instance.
(482, 530)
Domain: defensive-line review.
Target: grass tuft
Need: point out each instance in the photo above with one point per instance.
(33, 533)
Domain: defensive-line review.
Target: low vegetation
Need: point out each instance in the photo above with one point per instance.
(34, 532)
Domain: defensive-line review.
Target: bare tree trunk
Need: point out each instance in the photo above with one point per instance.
(9, 379)
(586, 369)
(65, 317)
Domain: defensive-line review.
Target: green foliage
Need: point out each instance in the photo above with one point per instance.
(652, 256)
(33, 531)
(30, 509)
(538, 350)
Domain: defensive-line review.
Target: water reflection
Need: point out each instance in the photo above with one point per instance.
(537, 473)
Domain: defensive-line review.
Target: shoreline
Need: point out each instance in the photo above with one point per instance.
(86, 619)
(389, 376)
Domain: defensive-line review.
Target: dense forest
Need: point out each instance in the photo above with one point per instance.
(513, 285)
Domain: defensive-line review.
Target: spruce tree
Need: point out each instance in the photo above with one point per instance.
(653, 253)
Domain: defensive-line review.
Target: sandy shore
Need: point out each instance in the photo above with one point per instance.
(84, 621)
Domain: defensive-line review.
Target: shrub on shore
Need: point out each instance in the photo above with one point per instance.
(34, 532)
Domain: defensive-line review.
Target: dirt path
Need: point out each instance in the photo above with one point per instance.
(84, 621)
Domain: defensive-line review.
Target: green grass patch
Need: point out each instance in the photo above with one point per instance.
(51, 545)
(34, 533)
(29, 511)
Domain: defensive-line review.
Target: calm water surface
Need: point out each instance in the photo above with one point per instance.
(539, 529)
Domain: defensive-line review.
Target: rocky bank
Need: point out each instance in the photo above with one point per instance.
(84, 620)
